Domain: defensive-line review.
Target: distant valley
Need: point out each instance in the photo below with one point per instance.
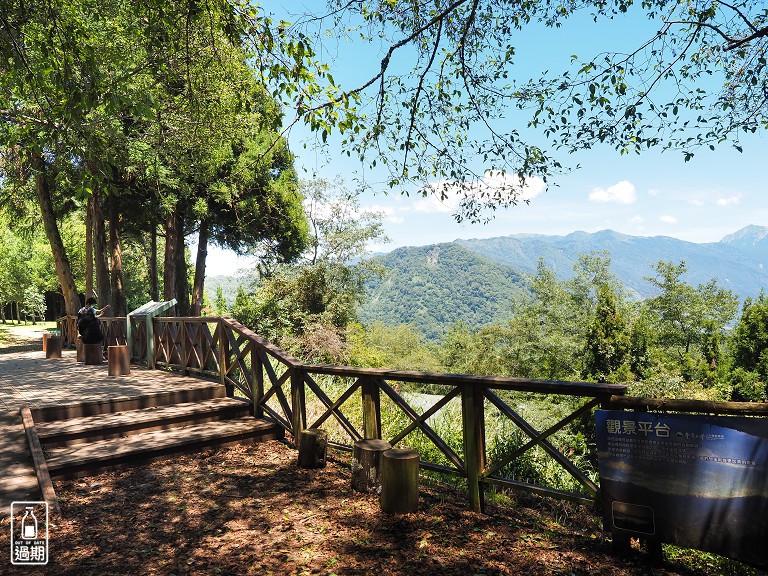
(475, 281)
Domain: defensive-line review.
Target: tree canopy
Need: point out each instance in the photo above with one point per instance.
(151, 114)
(436, 105)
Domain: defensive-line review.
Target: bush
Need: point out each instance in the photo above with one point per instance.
(747, 386)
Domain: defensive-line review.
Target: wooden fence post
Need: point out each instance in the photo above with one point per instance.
(183, 358)
(149, 323)
(257, 374)
(473, 424)
(297, 404)
(371, 409)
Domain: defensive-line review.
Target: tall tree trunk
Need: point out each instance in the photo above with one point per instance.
(89, 249)
(154, 289)
(116, 249)
(199, 282)
(169, 263)
(100, 249)
(182, 288)
(63, 267)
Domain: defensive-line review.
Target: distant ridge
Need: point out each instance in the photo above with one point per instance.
(739, 261)
(476, 280)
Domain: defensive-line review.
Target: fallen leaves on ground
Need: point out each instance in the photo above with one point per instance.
(251, 510)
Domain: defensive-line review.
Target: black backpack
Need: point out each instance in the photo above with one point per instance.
(88, 327)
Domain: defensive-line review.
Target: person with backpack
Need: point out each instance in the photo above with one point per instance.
(88, 322)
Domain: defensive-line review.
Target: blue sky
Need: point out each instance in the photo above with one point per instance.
(714, 194)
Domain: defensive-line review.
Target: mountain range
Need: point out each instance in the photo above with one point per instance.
(476, 280)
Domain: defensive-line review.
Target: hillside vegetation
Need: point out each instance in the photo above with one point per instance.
(433, 287)
(739, 261)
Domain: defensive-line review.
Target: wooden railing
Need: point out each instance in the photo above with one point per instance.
(300, 396)
(285, 389)
(113, 329)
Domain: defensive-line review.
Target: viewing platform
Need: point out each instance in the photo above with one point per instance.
(62, 388)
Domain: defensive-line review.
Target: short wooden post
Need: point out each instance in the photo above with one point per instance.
(399, 481)
(46, 335)
(313, 447)
(53, 347)
(118, 360)
(79, 348)
(366, 464)
(93, 353)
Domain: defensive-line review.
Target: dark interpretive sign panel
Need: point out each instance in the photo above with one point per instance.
(692, 480)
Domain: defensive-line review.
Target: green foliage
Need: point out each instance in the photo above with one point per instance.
(298, 306)
(220, 303)
(431, 287)
(26, 265)
(688, 319)
(340, 231)
(749, 342)
(748, 386)
(33, 304)
(439, 98)
(401, 347)
(608, 344)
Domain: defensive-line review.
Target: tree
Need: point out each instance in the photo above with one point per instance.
(686, 317)
(749, 342)
(33, 304)
(340, 230)
(131, 106)
(444, 119)
(307, 307)
(608, 346)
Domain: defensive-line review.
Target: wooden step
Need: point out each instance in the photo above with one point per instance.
(130, 422)
(84, 459)
(94, 407)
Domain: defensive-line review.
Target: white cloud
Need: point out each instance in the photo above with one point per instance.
(637, 220)
(388, 213)
(735, 199)
(432, 203)
(667, 219)
(696, 202)
(623, 192)
(446, 196)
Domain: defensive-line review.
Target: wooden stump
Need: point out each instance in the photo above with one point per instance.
(399, 481)
(53, 347)
(93, 353)
(366, 464)
(46, 335)
(79, 348)
(118, 360)
(313, 446)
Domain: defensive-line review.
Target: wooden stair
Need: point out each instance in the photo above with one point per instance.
(116, 434)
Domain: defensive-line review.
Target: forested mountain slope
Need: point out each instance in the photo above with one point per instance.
(475, 281)
(431, 287)
(739, 261)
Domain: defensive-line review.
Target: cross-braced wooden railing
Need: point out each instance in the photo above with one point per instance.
(287, 390)
(113, 329)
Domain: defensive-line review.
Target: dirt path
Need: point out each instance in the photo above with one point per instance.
(20, 338)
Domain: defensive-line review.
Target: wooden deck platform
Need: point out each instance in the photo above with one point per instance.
(73, 403)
